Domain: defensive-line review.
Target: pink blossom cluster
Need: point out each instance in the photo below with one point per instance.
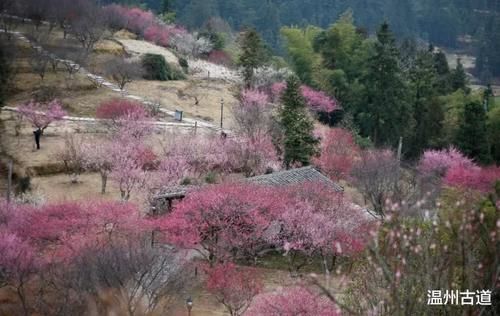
(220, 57)
(233, 286)
(317, 100)
(438, 162)
(294, 300)
(235, 220)
(142, 23)
(118, 108)
(32, 237)
(338, 154)
(40, 115)
(457, 170)
(254, 98)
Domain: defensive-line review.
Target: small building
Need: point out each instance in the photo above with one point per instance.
(164, 200)
(295, 176)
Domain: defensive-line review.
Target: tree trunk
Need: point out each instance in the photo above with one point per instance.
(104, 179)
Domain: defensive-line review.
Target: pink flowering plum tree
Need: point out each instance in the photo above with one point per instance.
(98, 156)
(223, 222)
(338, 152)
(233, 287)
(40, 116)
(319, 221)
(252, 156)
(118, 108)
(253, 114)
(291, 301)
(37, 241)
(457, 170)
(318, 101)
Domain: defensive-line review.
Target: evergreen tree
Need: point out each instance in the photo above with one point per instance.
(299, 143)
(493, 132)
(472, 136)
(5, 73)
(459, 77)
(428, 112)
(442, 68)
(166, 6)
(385, 115)
(253, 54)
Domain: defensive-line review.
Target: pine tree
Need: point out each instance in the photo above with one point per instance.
(459, 77)
(253, 54)
(5, 72)
(472, 137)
(385, 115)
(299, 143)
(428, 112)
(166, 6)
(443, 71)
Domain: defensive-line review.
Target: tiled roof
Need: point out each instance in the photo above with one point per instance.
(281, 178)
(295, 176)
(174, 192)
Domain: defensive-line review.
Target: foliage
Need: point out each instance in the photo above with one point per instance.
(300, 50)
(233, 287)
(253, 55)
(319, 221)
(459, 77)
(73, 157)
(472, 137)
(438, 162)
(493, 125)
(123, 71)
(40, 115)
(54, 255)
(386, 115)
(457, 249)
(225, 221)
(119, 108)
(338, 153)
(299, 143)
(220, 57)
(295, 300)
(318, 100)
(192, 45)
(5, 73)
(376, 175)
(157, 68)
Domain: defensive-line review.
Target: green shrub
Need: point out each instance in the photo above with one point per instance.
(157, 68)
(184, 64)
(211, 177)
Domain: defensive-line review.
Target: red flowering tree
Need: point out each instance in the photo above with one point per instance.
(233, 287)
(41, 115)
(225, 221)
(97, 156)
(34, 239)
(457, 170)
(292, 301)
(253, 114)
(252, 156)
(120, 108)
(338, 152)
(320, 221)
(317, 101)
(158, 34)
(220, 57)
(438, 162)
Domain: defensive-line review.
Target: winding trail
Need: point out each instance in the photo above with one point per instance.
(102, 82)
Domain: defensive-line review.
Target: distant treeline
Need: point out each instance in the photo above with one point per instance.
(440, 22)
